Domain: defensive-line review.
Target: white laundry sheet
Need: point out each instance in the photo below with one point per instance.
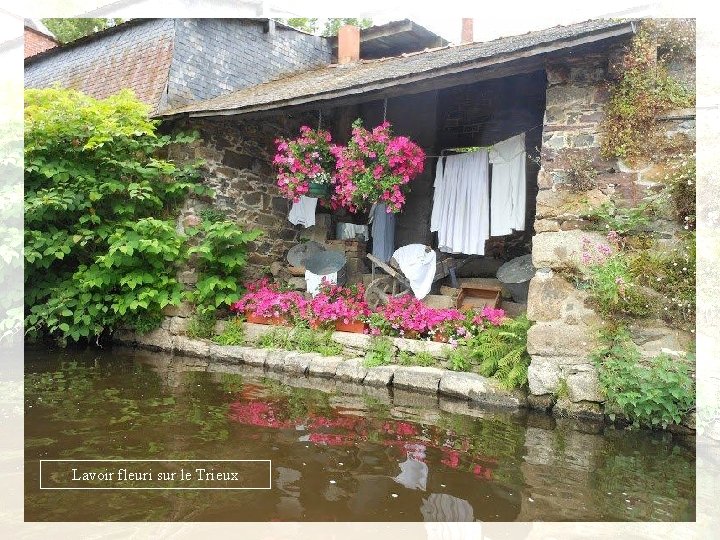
(418, 265)
(507, 203)
(461, 206)
(350, 231)
(303, 212)
(313, 281)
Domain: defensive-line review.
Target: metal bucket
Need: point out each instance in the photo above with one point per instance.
(515, 275)
(297, 255)
(323, 263)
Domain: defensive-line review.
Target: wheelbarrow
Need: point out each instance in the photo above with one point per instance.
(394, 282)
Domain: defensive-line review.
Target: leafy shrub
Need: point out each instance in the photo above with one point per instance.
(147, 322)
(234, 333)
(380, 353)
(220, 257)
(498, 351)
(654, 393)
(101, 246)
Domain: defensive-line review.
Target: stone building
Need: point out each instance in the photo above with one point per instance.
(550, 84)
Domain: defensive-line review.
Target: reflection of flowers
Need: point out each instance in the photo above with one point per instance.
(347, 430)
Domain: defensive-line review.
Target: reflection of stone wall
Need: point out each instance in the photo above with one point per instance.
(565, 329)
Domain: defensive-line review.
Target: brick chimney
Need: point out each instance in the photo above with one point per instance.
(467, 31)
(348, 44)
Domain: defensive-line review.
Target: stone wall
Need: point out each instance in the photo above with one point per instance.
(237, 157)
(565, 327)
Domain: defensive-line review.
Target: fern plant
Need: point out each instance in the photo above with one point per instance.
(497, 351)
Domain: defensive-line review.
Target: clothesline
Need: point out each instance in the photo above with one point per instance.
(478, 147)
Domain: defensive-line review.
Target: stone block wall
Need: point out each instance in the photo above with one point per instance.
(237, 157)
(565, 327)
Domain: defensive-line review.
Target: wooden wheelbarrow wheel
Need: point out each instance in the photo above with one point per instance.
(381, 289)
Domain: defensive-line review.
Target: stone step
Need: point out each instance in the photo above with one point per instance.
(513, 309)
(439, 301)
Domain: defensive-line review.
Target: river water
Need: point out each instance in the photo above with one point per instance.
(339, 452)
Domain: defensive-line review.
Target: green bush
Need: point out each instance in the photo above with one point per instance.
(220, 258)
(497, 351)
(100, 244)
(657, 392)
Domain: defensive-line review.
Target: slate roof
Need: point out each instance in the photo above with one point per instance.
(337, 80)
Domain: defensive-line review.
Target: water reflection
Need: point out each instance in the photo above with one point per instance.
(340, 452)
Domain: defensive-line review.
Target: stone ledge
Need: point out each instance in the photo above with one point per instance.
(474, 387)
(351, 370)
(422, 379)
(411, 384)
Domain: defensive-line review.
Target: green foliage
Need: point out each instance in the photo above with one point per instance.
(202, 325)
(563, 390)
(310, 24)
(66, 30)
(422, 358)
(497, 351)
(622, 220)
(301, 339)
(644, 91)
(234, 333)
(333, 25)
(380, 353)
(672, 275)
(657, 392)
(220, 258)
(306, 24)
(614, 290)
(147, 322)
(100, 242)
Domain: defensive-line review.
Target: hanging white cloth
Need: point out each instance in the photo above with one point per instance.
(313, 281)
(303, 212)
(461, 204)
(437, 197)
(507, 202)
(418, 265)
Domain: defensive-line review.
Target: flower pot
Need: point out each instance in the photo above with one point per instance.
(355, 327)
(411, 334)
(440, 337)
(318, 190)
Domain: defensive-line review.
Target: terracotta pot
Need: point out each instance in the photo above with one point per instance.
(315, 324)
(355, 327)
(251, 317)
(411, 334)
(439, 337)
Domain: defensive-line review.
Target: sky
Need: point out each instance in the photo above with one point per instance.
(491, 20)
